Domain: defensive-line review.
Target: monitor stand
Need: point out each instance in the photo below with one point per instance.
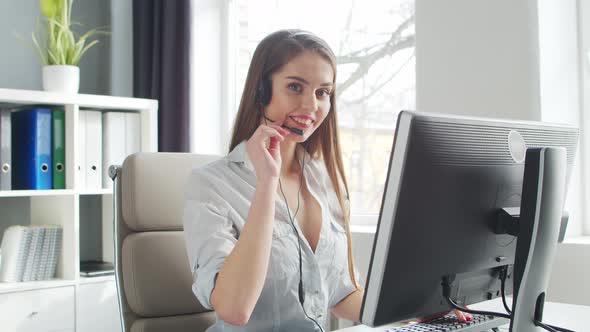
(539, 224)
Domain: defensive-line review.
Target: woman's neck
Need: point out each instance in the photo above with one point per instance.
(289, 162)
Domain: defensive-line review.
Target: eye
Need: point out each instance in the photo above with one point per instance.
(295, 87)
(321, 93)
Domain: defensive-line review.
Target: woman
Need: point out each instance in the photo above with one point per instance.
(277, 192)
(267, 227)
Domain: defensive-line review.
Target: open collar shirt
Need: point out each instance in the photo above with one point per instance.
(218, 199)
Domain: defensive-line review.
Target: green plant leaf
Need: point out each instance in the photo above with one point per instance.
(39, 50)
(94, 42)
(50, 8)
(63, 46)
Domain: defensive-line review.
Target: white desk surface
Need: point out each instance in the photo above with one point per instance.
(570, 316)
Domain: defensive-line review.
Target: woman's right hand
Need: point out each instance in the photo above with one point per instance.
(263, 148)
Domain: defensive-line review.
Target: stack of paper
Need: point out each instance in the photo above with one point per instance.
(30, 253)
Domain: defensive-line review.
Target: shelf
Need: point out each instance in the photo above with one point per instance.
(32, 97)
(84, 211)
(9, 287)
(36, 193)
(57, 192)
(89, 280)
(96, 192)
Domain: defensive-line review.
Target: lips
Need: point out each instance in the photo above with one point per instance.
(302, 121)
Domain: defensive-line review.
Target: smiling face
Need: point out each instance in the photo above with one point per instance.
(301, 92)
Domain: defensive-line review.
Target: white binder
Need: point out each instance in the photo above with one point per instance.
(132, 133)
(114, 144)
(93, 150)
(121, 138)
(81, 171)
(5, 150)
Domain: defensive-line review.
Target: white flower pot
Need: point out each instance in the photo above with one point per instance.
(61, 78)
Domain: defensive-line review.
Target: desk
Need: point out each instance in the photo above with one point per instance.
(570, 316)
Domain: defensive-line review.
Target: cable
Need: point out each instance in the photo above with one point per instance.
(556, 328)
(475, 312)
(300, 291)
(548, 327)
(503, 275)
(446, 286)
(292, 219)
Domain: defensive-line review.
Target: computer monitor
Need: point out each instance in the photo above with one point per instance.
(449, 178)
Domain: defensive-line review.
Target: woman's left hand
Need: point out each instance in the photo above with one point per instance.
(461, 316)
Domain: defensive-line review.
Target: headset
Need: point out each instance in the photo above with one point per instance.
(263, 95)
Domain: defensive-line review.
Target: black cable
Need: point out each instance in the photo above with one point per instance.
(475, 312)
(292, 219)
(548, 327)
(446, 288)
(300, 291)
(557, 328)
(503, 275)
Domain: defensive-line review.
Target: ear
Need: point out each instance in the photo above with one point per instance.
(264, 92)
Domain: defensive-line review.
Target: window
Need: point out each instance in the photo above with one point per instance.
(374, 44)
(584, 45)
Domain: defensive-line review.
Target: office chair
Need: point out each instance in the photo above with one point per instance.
(152, 270)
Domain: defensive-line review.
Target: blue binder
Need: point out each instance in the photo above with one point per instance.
(31, 149)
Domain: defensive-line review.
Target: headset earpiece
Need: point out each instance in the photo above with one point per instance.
(264, 92)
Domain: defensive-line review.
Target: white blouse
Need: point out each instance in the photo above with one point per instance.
(218, 198)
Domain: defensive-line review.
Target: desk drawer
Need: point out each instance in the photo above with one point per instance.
(43, 310)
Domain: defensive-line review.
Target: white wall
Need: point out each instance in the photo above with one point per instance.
(122, 48)
(477, 57)
(571, 273)
(19, 64)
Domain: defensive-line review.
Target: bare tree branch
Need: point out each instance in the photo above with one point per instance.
(364, 66)
(378, 87)
(393, 45)
(347, 29)
(395, 37)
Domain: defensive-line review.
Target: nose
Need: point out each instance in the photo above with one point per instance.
(309, 101)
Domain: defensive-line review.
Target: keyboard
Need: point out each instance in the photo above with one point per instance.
(450, 322)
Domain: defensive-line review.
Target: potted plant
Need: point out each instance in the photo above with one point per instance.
(63, 47)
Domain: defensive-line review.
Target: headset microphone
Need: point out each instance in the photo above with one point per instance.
(294, 130)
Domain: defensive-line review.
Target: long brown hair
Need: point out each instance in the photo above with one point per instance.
(273, 52)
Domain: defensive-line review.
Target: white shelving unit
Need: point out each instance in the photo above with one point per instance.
(69, 302)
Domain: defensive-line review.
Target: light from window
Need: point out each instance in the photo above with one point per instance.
(374, 45)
